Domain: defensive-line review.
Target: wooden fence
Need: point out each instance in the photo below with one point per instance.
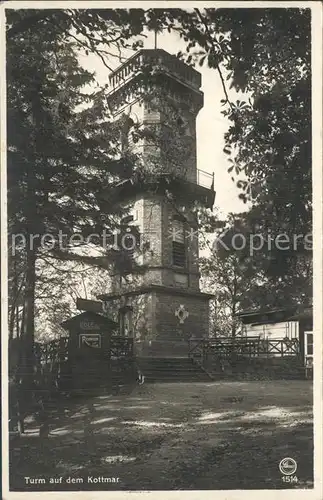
(53, 351)
(53, 359)
(251, 347)
(121, 347)
(57, 350)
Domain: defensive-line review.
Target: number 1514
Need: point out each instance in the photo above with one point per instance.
(289, 479)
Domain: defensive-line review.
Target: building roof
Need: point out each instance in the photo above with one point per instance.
(306, 313)
(89, 315)
(256, 312)
(263, 316)
(180, 187)
(155, 288)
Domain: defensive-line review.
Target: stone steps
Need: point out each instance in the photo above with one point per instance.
(171, 370)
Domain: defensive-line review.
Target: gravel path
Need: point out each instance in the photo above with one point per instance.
(218, 435)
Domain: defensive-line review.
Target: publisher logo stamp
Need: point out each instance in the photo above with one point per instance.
(287, 466)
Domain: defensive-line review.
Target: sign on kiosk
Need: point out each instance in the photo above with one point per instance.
(90, 340)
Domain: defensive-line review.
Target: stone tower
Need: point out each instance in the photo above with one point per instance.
(155, 98)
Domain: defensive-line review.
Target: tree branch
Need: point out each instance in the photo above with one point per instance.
(26, 23)
(91, 45)
(207, 31)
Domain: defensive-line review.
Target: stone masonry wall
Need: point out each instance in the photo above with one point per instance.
(169, 326)
(158, 331)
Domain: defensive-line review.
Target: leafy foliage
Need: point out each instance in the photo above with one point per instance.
(63, 150)
(264, 54)
(238, 272)
(64, 154)
(57, 156)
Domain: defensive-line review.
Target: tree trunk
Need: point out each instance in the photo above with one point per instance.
(12, 317)
(28, 326)
(234, 303)
(17, 322)
(233, 318)
(233, 327)
(13, 297)
(22, 321)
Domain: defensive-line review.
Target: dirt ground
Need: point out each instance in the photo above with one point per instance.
(183, 436)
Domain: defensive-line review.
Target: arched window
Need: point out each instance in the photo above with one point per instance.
(126, 124)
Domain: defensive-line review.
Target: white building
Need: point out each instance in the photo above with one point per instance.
(281, 325)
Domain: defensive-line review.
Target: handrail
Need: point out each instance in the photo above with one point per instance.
(209, 178)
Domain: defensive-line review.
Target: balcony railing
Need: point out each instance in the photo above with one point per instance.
(199, 177)
(205, 179)
(156, 58)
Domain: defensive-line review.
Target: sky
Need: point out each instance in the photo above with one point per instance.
(211, 125)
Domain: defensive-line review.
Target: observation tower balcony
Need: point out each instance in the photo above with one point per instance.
(157, 60)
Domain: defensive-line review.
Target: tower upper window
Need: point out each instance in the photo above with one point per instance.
(127, 219)
(129, 237)
(178, 244)
(180, 121)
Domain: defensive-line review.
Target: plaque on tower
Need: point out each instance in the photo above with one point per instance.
(181, 313)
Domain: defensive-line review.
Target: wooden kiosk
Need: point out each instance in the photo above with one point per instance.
(88, 363)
